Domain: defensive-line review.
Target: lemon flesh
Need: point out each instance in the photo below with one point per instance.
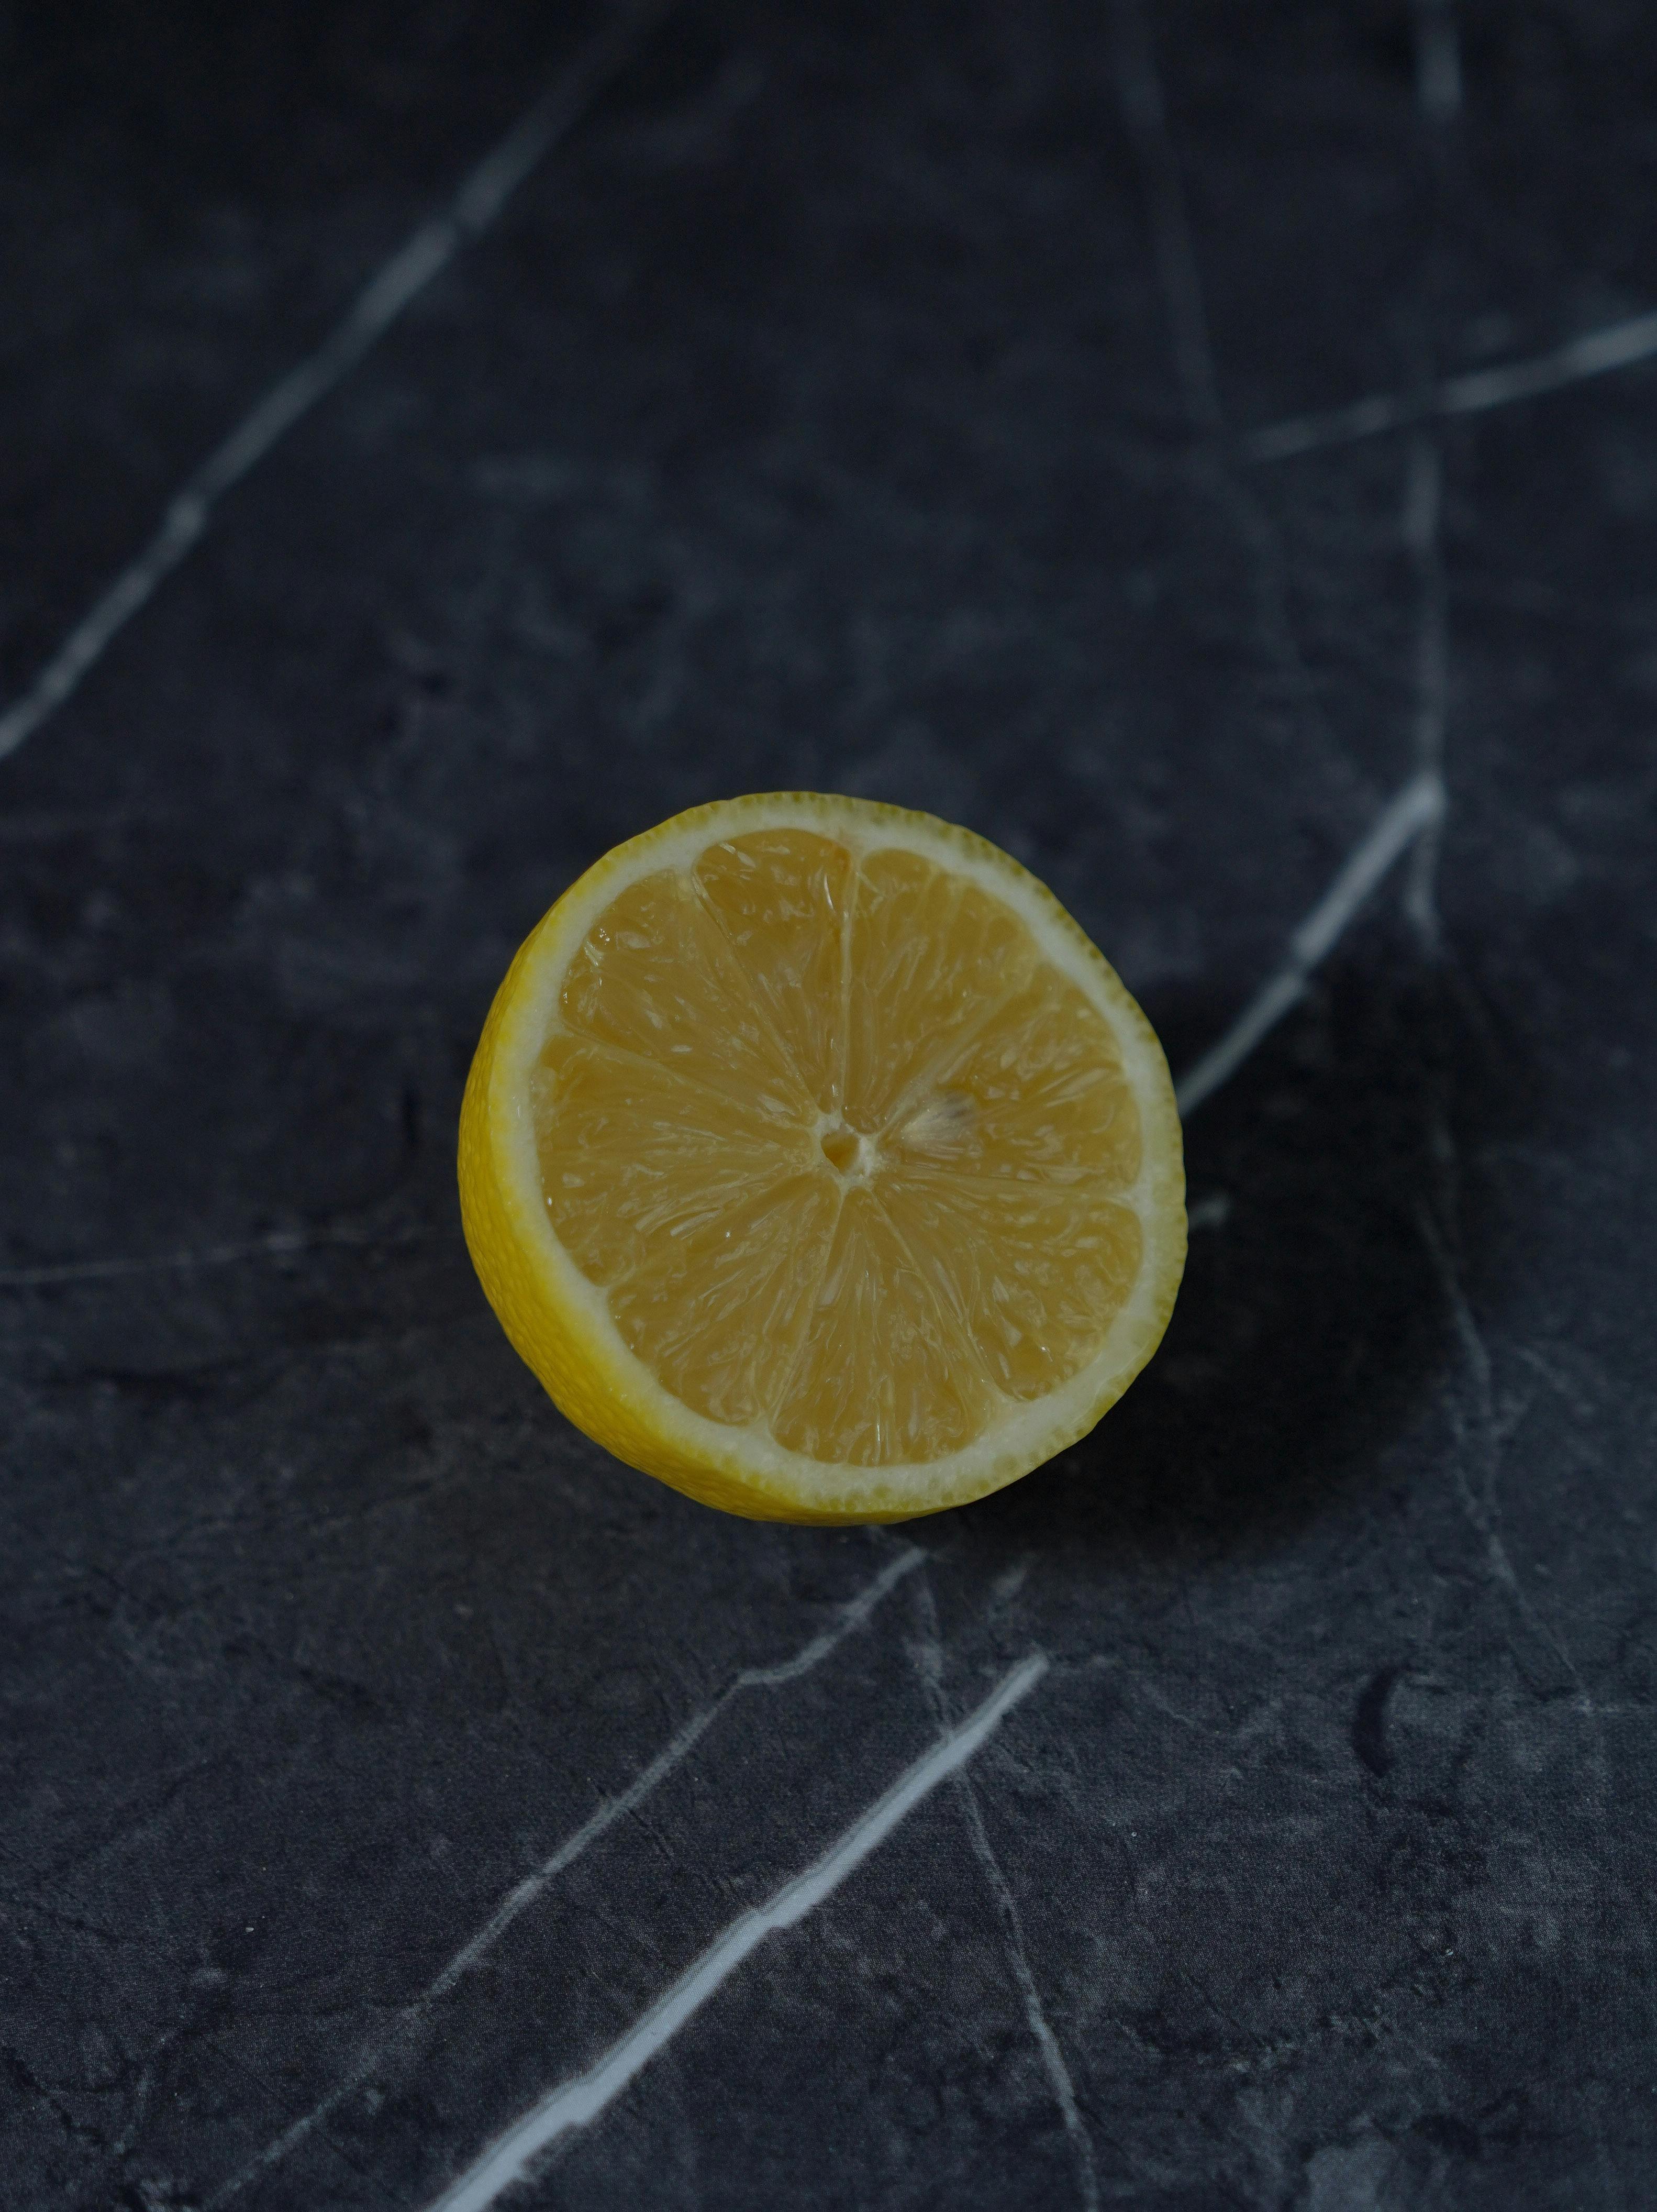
(818, 1164)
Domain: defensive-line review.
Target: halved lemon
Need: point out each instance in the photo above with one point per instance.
(817, 1164)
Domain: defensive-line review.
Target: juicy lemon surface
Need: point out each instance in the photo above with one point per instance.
(817, 1164)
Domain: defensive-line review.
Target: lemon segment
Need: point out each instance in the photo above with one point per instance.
(818, 1164)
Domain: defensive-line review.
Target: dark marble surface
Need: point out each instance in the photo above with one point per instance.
(858, 396)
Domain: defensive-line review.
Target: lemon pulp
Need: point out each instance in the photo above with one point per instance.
(845, 1154)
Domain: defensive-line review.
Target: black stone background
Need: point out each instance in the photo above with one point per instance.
(833, 409)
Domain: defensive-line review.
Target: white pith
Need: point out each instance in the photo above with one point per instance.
(1025, 1431)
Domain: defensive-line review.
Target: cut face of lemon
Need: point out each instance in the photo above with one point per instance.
(817, 1164)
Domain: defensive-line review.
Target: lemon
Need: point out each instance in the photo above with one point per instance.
(817, 1164)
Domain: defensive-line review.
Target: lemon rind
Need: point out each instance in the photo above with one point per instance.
(560, 1322)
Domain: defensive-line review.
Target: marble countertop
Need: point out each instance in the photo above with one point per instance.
(1213, 451)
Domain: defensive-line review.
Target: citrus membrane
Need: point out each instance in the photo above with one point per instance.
(818, 1164)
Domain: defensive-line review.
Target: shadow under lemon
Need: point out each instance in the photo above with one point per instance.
(1312, 1322)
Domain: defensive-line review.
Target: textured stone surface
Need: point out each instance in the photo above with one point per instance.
(837, 407)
